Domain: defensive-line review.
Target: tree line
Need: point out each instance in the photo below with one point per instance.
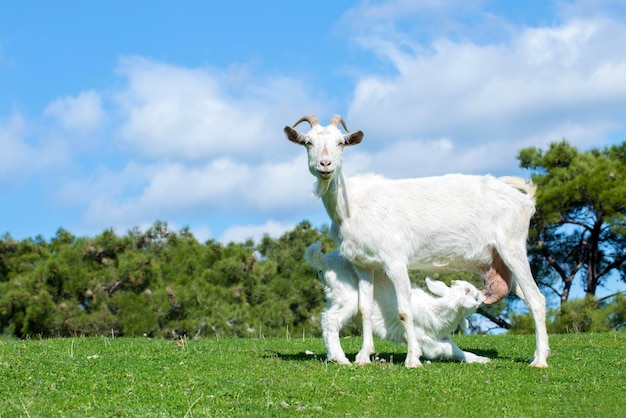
(160, 283)
(164, 283)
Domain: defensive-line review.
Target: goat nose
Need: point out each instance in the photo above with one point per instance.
(325, 163)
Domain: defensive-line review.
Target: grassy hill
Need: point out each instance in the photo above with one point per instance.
(289, 376)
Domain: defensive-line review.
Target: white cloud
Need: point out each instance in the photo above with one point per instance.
(202, 233)
(589, 8)
(199, 150)
(175, 112)
(240, 233)
(542, 85)
(404, 158)
(142, 192)
(19, 156)
(82, 113)
(177, 185)
(276, 186)
(386, 18)
(14, 150)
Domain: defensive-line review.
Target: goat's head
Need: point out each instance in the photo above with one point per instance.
(324, 145)
(467, 294)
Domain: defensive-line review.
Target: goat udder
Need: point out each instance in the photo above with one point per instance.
(497, 285)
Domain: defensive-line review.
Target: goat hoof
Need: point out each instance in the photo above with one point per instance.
(539, 364)
(540, 361)
(362, 359)
(343, 361)
(412, 364)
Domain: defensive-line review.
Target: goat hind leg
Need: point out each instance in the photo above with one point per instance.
(527, 290)
(537, 306)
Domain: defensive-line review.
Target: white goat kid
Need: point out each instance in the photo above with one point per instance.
(434, 224)
(434, 318)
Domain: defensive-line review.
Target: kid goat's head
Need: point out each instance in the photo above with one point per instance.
(465, 294)
(324, 145)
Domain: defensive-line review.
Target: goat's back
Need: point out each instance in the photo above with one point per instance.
(445, 223)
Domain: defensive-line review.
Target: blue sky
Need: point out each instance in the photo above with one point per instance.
(116, 114)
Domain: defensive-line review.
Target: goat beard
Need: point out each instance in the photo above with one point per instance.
(321, 187)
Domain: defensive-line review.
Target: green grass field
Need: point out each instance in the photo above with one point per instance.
(93, 377)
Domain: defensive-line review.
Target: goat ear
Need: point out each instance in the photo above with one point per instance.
(314, 256)
(437, 287)
(294, 136)
(353, 138)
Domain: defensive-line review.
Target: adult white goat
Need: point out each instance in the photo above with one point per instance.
(434, 318)
(435, 224)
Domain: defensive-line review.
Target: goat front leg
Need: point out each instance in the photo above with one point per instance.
(366, 302)
(333, 320)
(398, 273)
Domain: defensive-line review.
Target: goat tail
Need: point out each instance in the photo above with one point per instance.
(523, 185)
(314, 256)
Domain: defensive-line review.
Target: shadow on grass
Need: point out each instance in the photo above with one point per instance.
(388, 357)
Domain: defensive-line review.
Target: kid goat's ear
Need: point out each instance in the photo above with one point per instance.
(437, 287)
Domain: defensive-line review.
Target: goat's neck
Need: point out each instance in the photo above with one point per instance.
(335, 199)
(443, 315)
(449, 312)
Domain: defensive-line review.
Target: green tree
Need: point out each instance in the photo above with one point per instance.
(160, 283)
(579, 229)
(588, 314)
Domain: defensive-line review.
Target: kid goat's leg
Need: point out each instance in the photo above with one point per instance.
(447, 349)
(366, 302)
(333, 319)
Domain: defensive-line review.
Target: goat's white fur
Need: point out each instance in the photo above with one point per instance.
(434, 318)
(448, 223)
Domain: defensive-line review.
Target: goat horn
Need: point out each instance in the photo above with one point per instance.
(312, 119)
(336, 119)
